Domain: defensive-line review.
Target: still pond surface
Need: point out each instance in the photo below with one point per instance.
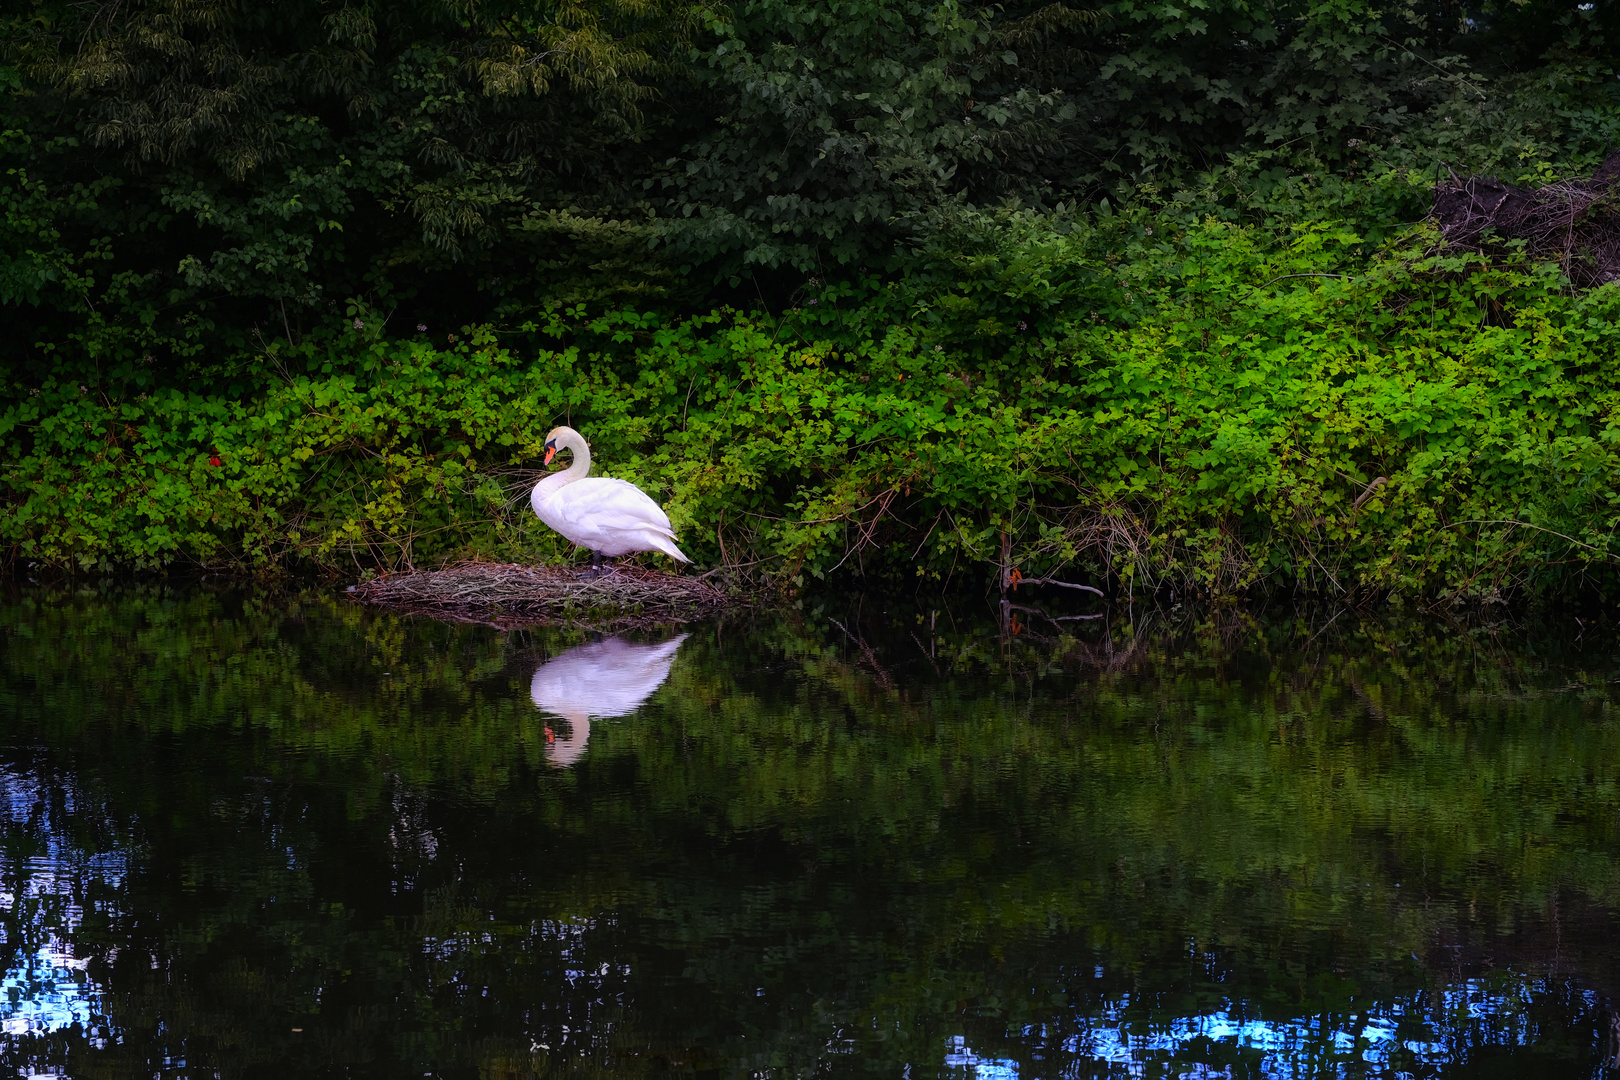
(256, 836)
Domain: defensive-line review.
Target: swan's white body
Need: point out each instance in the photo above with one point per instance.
(601, 680)
(610, 517)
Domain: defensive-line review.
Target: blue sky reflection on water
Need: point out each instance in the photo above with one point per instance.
(50, 991)
(1398, 1039)
(48, 987)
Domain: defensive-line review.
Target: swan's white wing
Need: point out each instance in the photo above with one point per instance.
(613, 517)
(611, 505)
(606, 678)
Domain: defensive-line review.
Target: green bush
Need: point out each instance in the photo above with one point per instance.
(1136, 398)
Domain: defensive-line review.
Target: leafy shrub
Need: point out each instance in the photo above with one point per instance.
(1135, 399)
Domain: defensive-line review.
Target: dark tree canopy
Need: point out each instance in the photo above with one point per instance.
(189, 178)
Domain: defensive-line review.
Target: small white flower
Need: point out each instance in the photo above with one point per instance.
(358, 325)
(421, 328)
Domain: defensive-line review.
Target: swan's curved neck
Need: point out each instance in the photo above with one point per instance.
(573, 441)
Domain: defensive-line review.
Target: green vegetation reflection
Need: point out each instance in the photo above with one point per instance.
(820, 841)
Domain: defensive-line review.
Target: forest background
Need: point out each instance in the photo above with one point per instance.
(1139, 294)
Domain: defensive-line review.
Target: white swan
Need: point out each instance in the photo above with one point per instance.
(603, 679)
(610, 517)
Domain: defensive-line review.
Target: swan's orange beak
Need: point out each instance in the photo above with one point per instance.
(551, 452)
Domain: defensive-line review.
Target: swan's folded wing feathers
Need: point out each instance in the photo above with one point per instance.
(601, 503)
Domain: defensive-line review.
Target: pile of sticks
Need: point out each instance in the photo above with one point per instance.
(503, 594)
(1576, 222)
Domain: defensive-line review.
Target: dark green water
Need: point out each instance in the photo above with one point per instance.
(286, 837)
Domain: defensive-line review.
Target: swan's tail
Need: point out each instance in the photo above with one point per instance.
(666, 544)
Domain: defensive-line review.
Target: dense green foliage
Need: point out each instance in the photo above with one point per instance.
(804, 854)
(850, 283)
(213, 168)
(1162, 403)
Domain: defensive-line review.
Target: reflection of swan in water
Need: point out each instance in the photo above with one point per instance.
(600, 680)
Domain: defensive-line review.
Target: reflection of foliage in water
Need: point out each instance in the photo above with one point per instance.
(808, 846)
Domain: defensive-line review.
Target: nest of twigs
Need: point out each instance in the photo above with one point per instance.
(506, 595)
(1576, 222)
